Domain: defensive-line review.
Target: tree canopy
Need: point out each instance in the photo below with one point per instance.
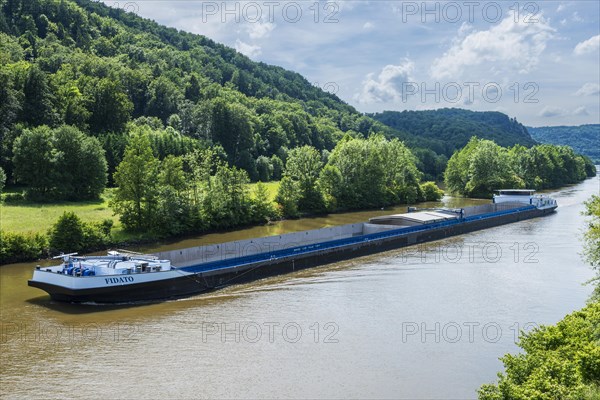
(482, 167)
(560, 361)
(359, 173)
(450, 129)
(59, 163)
(592, 239)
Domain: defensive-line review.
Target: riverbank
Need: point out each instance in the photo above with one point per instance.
(32, 217)
(144, 244)
(25, 227)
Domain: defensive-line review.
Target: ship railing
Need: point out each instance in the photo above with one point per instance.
(136, 254)
(338, 243)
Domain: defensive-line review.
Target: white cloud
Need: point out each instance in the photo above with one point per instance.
(581, 111)
(465, 29)
(549, 112)
(507, 46)
(259, 30)
(388, 85)
(368, 26)
(587, 46)
(248, 49)
(576, 18)
(588, 89)
(562, 6)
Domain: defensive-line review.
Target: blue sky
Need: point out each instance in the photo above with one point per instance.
(540, 64)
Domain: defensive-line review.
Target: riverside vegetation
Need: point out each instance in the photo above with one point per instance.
(199, 191)
(482, 166)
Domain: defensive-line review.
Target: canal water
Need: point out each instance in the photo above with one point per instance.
(427, 322)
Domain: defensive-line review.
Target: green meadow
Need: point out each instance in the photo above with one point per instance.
(24, 216)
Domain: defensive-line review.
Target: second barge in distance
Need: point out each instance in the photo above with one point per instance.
(125, 277)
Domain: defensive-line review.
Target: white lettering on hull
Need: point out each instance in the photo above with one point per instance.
(121, 279)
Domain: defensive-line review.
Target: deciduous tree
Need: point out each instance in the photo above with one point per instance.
(136, 180)
(34, 159)
(303, 167)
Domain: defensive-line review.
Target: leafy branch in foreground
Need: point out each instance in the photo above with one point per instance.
(560, 362)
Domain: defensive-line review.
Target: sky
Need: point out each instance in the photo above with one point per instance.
(536, 61)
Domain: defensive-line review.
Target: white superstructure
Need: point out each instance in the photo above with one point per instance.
(115, 263)
(525, 196)
(115, 269)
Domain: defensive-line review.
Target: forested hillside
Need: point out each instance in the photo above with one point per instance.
(584, 139)
(449, 129)
(108, 72)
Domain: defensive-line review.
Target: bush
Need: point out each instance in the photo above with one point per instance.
(13, 197)
(16, 247)
(431, 192)
(70, 234)
(67, 234)
(96, 235)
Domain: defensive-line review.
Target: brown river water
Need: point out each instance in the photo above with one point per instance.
(427, 322)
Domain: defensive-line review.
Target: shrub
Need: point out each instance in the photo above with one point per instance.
(96, 235)
(431, 192)
(13, 197)
(70, 234)
(16, 247)
(67, 234)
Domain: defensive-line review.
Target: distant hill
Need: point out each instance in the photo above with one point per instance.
(452, 128)
(584, 139)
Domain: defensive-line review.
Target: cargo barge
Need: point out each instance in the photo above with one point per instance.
(121, 277)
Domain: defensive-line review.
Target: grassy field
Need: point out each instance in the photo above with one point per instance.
(25, 217)
(271, 188)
